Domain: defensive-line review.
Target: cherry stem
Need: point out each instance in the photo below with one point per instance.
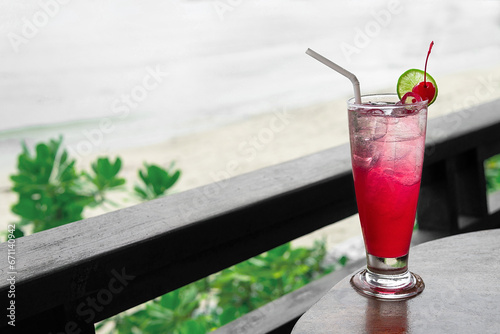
(425, 68)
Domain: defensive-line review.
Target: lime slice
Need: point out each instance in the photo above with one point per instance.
(412, 78)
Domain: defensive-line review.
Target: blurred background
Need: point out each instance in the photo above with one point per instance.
(66, 64)
(199, 82)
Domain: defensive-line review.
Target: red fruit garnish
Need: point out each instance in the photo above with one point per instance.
(426, 89)
(411, 97)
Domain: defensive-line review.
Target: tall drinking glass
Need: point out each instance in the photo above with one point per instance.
(387, 150)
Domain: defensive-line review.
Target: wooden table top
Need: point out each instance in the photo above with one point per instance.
(462, 294)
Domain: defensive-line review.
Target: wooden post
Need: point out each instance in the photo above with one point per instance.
(467, 174)
(437, 209)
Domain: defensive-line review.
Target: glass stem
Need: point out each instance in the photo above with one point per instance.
(387, 265)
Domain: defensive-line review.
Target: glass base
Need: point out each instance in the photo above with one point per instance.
(388, 279)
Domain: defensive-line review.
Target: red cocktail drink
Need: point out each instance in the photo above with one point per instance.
(387, 151)
(387, 225)
(388, 183)
(387, 134)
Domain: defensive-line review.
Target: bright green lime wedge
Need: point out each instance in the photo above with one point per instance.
(410, 79)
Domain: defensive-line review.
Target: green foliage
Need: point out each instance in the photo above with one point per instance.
(253, 283)
(105, 176)
(214, 301)
(45, 183)
(156, 181)
(51, 192)
(492, 172)
(171, 313)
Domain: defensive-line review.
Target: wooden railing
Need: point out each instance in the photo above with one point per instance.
(70, 277)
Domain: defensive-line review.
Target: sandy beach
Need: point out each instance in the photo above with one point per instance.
(269, 138)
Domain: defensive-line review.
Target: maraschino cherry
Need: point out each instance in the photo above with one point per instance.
(425, 89)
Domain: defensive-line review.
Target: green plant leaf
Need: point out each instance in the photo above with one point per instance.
(171, 300)
(141, 192)
(156, 180)
(192, 326)
(229, 314)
